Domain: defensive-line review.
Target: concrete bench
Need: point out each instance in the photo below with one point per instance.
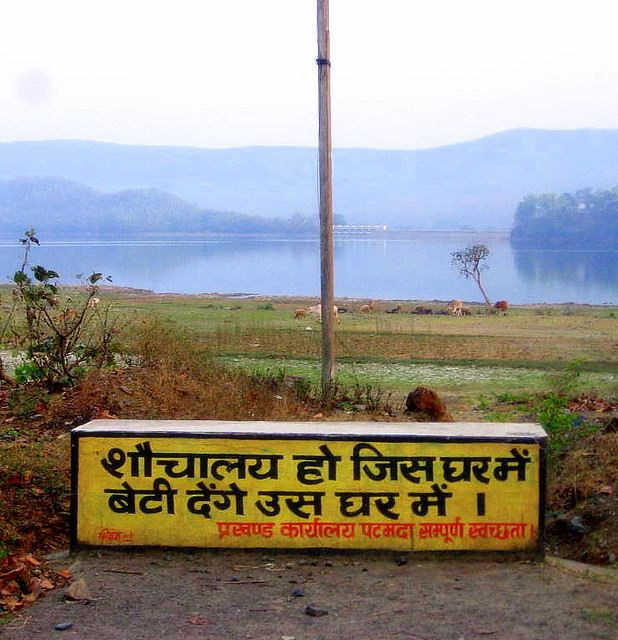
(405, 486)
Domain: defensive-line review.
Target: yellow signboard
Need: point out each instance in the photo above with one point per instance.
(235, 491)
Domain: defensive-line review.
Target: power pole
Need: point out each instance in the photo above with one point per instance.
(326, 199)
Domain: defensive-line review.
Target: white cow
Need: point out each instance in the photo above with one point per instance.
(316, 310)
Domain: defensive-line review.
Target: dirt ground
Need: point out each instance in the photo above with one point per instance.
(319, 595)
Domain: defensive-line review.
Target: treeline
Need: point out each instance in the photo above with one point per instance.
(62, 207)
(584, 219)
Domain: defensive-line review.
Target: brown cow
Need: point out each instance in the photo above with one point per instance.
(368, 308)
(502, 305)
(422, 310)
(455, 307)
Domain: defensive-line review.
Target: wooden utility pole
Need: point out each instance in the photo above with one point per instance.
(326, 199)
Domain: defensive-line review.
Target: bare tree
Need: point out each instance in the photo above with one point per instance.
(471, 262)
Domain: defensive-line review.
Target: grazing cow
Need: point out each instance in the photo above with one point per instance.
(455, 307)
(316, 310)
(503, 306)
(397, 309)
(368, 308)
(422, 310)
(300, 313)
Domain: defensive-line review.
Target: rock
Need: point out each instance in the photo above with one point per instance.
(298, 593)
(63, 626)
(401, 560)
(314, 612)
(428, 403)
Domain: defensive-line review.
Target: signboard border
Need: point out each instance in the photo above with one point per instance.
(119, 433)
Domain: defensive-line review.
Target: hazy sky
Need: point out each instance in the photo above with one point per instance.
(406, 74)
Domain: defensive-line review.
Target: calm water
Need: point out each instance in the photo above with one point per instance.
(416, 267)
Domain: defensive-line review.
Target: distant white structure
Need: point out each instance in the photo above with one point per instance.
(358, 228)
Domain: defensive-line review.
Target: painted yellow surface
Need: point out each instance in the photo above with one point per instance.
(234, 492)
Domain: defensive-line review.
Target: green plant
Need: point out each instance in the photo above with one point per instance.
(564, 427)
(556, 418)
(58, 334)
(9, 433)
(28, 372)
(5, 550)
(601, 616)
(26, 400)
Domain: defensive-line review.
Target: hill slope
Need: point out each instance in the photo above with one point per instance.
(474, 184)
(59, 207)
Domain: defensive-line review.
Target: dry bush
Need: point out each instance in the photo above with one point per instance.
(166, 375)
(584, 471)
(34, 494)
(583, 502)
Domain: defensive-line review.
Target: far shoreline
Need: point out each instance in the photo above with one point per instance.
(309, 299)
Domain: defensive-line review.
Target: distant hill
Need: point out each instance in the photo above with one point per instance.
(475, 184)
(55, 206)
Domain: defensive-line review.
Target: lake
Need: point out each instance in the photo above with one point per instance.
(415, 266)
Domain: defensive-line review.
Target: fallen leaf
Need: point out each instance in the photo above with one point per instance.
(12, 604)
(78, 590)
(14, 480)
(198, 620)
(11, 589)
(31, 597)
(104, 414)
(29, 559)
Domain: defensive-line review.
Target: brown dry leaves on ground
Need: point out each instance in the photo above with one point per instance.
(24, 579)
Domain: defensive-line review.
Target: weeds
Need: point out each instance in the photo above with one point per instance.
(59, 335)
(34, 482)
(564, 427)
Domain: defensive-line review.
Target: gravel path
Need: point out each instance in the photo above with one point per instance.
(309, 595)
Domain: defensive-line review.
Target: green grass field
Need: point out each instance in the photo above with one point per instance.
(464, 358)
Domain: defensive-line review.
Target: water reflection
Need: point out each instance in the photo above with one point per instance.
(586, 271)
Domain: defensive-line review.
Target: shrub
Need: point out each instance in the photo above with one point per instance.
(59, 334)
